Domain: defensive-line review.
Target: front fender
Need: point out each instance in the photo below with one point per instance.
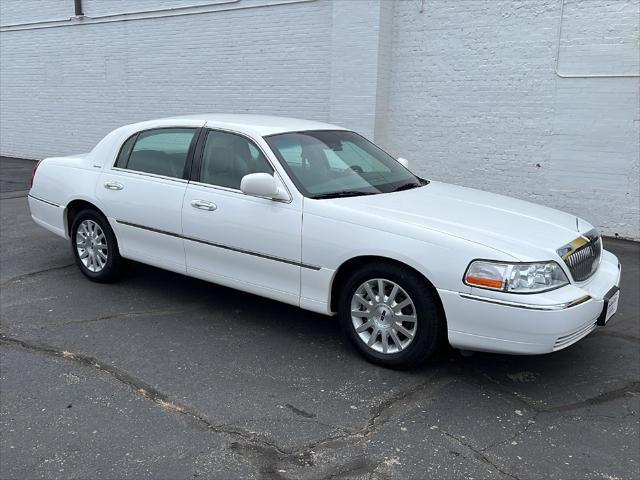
(329, 243)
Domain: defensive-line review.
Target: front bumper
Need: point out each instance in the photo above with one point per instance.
(528, 324)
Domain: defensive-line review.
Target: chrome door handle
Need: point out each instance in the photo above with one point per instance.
(113, 186)
(203, 205)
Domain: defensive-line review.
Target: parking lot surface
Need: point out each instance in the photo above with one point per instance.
(164, 376)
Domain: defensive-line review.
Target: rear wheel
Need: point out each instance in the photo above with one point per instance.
(391, 315)
(94, 247)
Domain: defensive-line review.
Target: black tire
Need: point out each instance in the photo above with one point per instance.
(431, 325)
(113, 266)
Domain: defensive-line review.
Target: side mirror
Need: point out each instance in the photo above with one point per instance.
(404, 162)
(262, 185)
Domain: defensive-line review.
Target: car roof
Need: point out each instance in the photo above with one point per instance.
(261, 124)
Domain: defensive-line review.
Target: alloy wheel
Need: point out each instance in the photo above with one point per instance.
(384, 316)
(91, 245)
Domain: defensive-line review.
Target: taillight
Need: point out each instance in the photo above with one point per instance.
(33, 173)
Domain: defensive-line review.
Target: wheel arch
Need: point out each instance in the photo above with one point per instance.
(73, 208)
(355, 263)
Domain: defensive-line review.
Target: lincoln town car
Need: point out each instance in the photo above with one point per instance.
(317, 216)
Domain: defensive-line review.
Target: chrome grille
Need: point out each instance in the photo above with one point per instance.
(584, 261)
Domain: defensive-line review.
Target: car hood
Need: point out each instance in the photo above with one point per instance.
(524, 230)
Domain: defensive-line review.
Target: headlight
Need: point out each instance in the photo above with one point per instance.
(515, 277)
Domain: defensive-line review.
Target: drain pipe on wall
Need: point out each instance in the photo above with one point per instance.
(78, 6)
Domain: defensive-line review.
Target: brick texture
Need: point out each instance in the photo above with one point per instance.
(63, 89)
(475, 100)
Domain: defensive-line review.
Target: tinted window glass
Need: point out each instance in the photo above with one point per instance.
(161, 152)
(125, 151)
(228, 157)
(334, 163)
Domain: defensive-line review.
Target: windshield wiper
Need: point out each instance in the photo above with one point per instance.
(407, 186)
(345, 193)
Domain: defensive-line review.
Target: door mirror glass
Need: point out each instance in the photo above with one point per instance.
(404, 162)
(262, 185)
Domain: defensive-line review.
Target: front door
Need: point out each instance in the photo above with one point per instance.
(245, 242)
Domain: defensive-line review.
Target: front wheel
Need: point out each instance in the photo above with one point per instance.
(391, 315)
(94, 247)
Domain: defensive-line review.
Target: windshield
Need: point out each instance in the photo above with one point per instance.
(334, 163)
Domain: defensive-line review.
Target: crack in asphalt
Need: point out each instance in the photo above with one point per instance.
(295, 420)
(24, 276)
(131, 314)
(268, 455)
(303, 456)
(530, 422)
(140, 388)
(478, 453)
(376, 418)
(503, 389)
(268, 463)
(629, 388)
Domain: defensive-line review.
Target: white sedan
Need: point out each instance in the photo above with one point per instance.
(317, 216)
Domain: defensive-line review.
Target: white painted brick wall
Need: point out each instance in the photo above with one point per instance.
(466, 89)
(355, 54)
(17, 11)
(62, 89)
(475, 101)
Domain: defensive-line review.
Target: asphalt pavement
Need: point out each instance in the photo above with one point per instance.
(164, 376)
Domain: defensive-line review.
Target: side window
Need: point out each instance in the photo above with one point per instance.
(228, 157)
(125, 151)
(162, 152)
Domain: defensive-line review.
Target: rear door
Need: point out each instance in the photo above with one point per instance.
(142, 194)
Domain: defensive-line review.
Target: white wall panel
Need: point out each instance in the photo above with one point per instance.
(475, 100)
